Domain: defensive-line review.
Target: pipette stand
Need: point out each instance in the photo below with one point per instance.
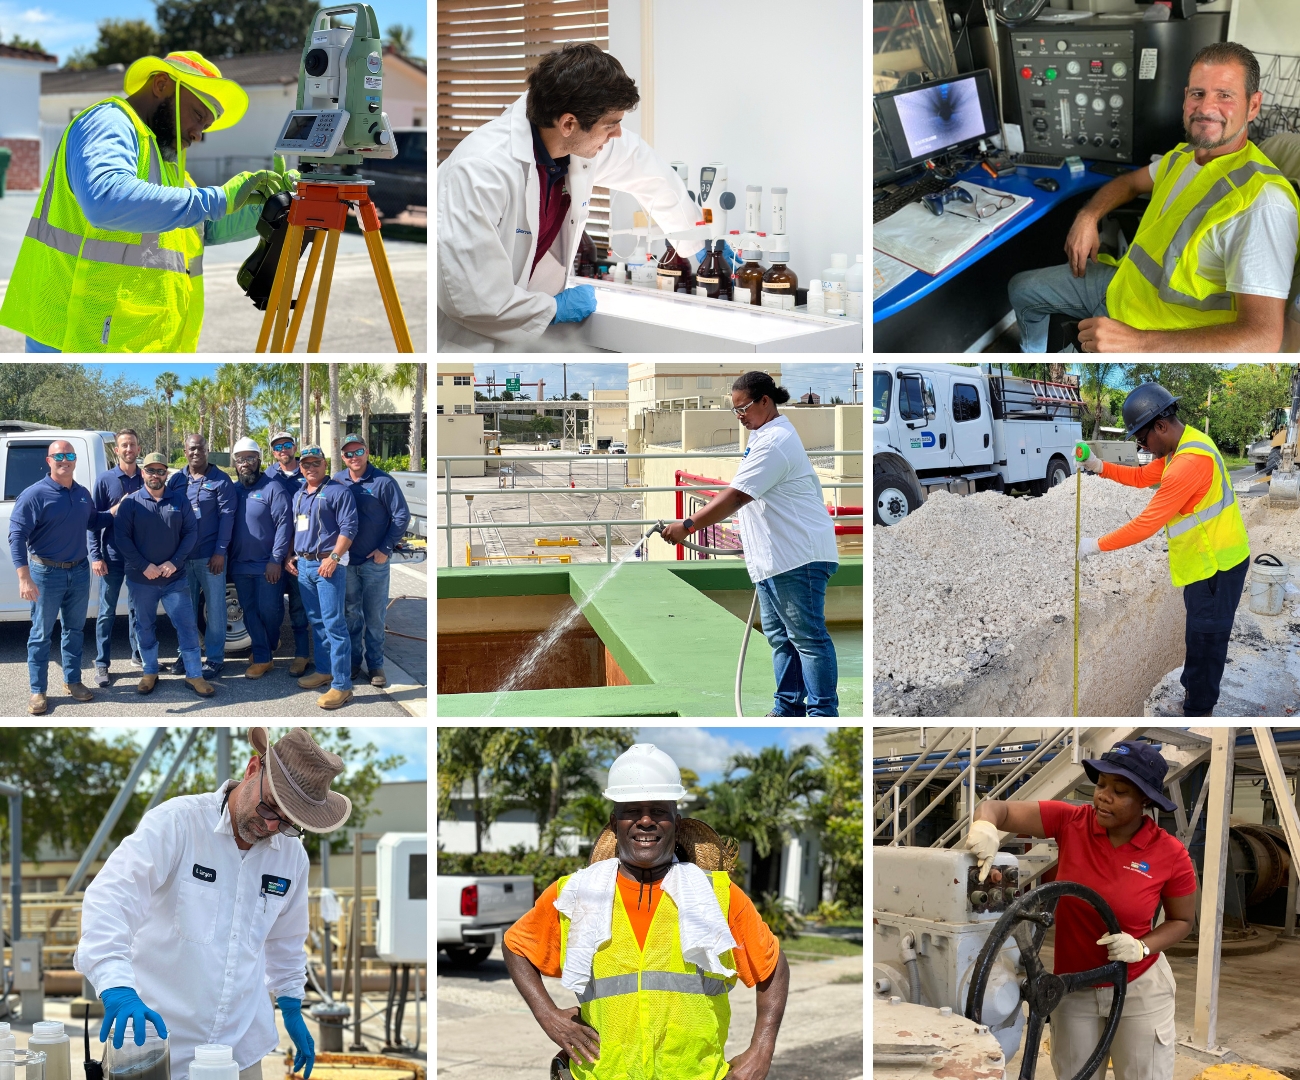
(323, 206)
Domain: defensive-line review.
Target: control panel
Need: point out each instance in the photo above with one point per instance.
(1076, 90)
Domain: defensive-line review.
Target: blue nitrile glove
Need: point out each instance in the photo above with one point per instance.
(291, 1010)
(733, 260)
(120, 1003)
(574, 305)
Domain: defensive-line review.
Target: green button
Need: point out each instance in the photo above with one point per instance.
(1050, 73)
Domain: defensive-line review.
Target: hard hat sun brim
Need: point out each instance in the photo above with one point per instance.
(226, 92)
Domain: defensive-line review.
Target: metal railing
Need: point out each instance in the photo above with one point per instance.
(609, 523)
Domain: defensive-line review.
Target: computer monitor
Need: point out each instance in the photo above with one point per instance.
(921, 122)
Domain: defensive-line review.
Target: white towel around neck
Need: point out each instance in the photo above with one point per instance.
(588, 901)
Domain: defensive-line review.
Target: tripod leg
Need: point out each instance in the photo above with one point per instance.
(323, 293)
(388, 291)
(293, 245)
(273, 301)
(307, 278)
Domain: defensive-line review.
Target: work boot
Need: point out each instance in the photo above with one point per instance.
(335, 699)
(212, 671)
(101, 675)
(315, 679)
(299, 665)
(377, 678)
(146, 684)
(356, 672)
(201, 686)
(36, 706)
(79, 691)
(256, 671)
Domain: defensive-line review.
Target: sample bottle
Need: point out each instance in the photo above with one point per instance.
(749, 280)
(753, 208)
(213, 1061)
(853, 290)
(833, 283)
(584, 259)
(7, 1045)
(780, 282)
(152, 1061)
(713, 279)
(816, 298)
(778, 209)
(49, 1037)
(675, 272)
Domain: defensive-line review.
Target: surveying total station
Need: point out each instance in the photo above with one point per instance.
(337, 124)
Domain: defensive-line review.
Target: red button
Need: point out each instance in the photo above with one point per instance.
(1026, 73)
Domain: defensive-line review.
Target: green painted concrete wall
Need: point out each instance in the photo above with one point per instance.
(678, 647)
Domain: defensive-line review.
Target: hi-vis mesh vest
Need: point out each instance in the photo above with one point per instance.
(1159, 285)
(1213, 536)
(659, 1017)
(82, 289)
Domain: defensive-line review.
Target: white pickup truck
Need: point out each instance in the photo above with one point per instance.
(415, 488)
(474, 913)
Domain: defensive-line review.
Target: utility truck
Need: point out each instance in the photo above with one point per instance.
(967, 429)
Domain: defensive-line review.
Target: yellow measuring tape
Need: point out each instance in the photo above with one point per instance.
(1078, 528)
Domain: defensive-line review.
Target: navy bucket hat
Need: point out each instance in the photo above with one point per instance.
(1140, 764)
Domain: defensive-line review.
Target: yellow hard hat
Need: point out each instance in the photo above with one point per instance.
(225, 98)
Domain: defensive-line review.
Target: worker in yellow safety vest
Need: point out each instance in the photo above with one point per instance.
(651, 937)
(1209, 268)
(1209, 551)
(112, 260)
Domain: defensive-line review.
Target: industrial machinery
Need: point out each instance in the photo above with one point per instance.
(1284, 487)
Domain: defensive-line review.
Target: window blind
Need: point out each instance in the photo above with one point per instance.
(486, 48)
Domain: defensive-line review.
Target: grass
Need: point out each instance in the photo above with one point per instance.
(819, 948)
(854, 924)
(851, 977)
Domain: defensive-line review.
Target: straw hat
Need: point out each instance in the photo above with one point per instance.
(696, 843)
(299, 773)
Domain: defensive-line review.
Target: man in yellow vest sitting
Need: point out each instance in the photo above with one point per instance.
(113, 256)
(652, 946)
(1209, 269)
(1209, 551)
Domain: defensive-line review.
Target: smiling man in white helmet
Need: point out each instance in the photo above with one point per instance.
(651, 937)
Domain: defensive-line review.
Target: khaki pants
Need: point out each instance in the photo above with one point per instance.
(1144, 1042)
(253, 1072)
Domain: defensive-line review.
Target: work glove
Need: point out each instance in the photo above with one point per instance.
(291, 1010)
(1090, 461)
(288, 177)
(123, 1003)
(574, 305)
(250, 189)
(1088, 546)
(1122, 947)
(733, 260)
(983, 842)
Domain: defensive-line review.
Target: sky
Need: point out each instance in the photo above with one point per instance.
(145, 374)
(706, 750)
(825, 379)
(64, 25)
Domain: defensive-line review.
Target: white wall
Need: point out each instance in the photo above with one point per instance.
(20, 90)
(798, 124)
(1270, 26)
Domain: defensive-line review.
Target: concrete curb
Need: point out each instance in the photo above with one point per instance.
(404, 690)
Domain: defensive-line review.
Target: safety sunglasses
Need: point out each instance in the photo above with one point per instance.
(64, 457)
(267, 814)
(155, 470)
(741, 411)
(282, 446)
(354, 453)
(311, 462)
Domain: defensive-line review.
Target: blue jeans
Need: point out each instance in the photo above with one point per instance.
(175, 599)
(213, 586)
(110, 588)
(35, 346)
(297, 616)
(1036, 294)
(64, 595)
(325, 600)
(1211, 610)
(367, 605)
(263, 605)
(793, 606)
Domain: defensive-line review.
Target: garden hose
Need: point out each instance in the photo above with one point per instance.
(1078, 528)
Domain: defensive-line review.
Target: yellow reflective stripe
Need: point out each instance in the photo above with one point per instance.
(1199, 517)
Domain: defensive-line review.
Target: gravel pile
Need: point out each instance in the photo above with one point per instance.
(958, 582)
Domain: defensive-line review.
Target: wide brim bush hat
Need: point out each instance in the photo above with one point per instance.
(1140, 764)
(225, 97)
(299, 773)
(697, 843)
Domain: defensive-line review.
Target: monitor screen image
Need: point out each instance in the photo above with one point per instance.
(925, 121)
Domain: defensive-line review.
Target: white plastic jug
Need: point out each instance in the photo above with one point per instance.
(213, 1061)
(1268, 584)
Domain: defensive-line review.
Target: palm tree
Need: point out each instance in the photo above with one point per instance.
(320, 388)
(468, 755)
(336, 456)
(364, 383)
(239, 382)
(199, 394)
(412, 377)
(278, 406)
(167, 384)
(156, 410)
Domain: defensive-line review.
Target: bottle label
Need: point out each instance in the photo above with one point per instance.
(776, 285)
(706, 280)
(667, 279)
(853, 305)
(781, 301)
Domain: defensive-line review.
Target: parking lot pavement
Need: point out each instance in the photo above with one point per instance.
(485, 1031)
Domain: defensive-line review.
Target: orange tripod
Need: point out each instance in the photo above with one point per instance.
(323, 206)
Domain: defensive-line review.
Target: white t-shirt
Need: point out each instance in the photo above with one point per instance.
(786, 526)
(1252, 252)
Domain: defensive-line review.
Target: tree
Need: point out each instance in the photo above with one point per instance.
(73, 396)
(167, 384)
(336, 436)
(543, 425)
(414, 377)
(399, 38)
(222, 28)
(121, 41)
(363, 383)
(838, 814)
(1241, 406)
(466, 755)
(18, 382)
(320, 388)
(278, 407)
(19, 42)
(1093, 379)
(200, 393)
(1192, 383)
(240, 383)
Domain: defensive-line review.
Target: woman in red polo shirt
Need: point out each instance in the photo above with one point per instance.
(1117, 851)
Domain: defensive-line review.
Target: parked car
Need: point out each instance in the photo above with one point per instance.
(585, 448)
(618, 448)
(475, 912)
(554, 444)
(403, 180)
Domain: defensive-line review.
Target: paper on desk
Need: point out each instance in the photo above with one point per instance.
(886, 272)
(915, 236)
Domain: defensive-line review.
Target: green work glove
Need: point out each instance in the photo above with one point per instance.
(250, 188)
(289, 177)
(1089, 460)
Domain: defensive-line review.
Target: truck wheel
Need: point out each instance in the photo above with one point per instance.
(1058, 472)
(895, 496)
(467, 956)
(1274, 460)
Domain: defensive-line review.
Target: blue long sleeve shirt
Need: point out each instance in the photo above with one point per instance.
(381, 511)
(263, 527)
(53, 521)
(110, 487)
(320, 517)
(212, 498)
(150, 530)
(289, 482)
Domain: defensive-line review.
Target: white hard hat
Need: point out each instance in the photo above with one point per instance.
(246, 444)
(644, 772)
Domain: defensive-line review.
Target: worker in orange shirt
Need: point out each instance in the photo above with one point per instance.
(1209, 551)
(651, 937)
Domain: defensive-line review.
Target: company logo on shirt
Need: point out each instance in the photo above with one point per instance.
(275, 886)
(746, 453)
(525, 232)
(1139, 867)
(204, 873)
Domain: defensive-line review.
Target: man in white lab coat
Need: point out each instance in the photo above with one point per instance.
(202, 911)
(513, 199)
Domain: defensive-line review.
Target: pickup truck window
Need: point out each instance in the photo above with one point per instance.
(915, 397)
(965, 402)
(882, 384)
(25, 466)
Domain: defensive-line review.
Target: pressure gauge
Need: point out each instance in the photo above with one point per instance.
(1119, 69)
(1081, 99)
(1116, 101)
(1073, 67)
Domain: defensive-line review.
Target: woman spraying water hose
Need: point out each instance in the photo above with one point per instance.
(789, 547)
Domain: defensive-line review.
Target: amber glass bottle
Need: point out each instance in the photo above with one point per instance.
(780, 282)
(676, 272)
(749, 279)
(713, 279)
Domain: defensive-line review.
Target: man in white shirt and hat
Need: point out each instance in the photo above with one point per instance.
(202, 911)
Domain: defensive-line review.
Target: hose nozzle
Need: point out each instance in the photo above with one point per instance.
(658, 527)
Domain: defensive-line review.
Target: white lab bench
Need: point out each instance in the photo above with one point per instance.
(634, 319)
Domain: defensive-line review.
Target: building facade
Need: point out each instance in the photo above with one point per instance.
(21, 71)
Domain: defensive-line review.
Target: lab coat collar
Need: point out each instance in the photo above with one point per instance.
(554, 169)
(521, 131)
(226, 827)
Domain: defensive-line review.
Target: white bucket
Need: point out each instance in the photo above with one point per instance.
(1268, 585)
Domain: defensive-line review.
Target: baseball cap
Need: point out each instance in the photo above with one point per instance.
(285, 435)
(153, 459)
(352, 438)
(1139, 763)
(310, 451)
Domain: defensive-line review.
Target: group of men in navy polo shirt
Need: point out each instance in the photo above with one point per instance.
(171, 541)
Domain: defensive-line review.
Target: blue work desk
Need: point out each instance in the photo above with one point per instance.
(951, 311)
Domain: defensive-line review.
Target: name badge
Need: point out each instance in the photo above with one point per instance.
(204, 873)
(197, 512)
(302, 523)
(275, 886)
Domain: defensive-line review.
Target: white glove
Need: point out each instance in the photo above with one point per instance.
(1088, 546)
(1122, 947)
(983, 842)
